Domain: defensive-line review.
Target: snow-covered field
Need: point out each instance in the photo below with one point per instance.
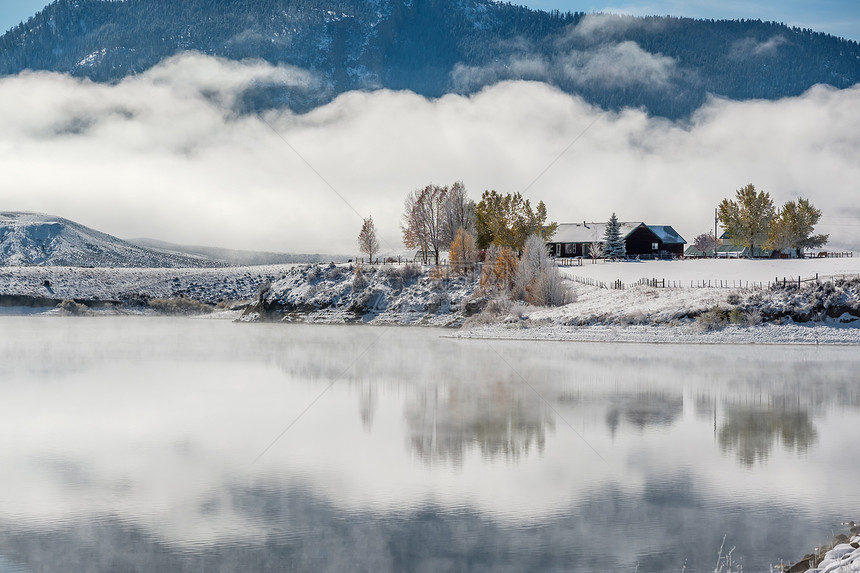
(640, 313)
(732, 271)
(208, 285)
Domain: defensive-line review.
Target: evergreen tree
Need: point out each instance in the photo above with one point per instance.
(613, 242)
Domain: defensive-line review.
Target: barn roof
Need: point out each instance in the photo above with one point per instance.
(667, 234)
(588, 232)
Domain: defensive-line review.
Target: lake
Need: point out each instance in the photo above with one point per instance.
(168, 444)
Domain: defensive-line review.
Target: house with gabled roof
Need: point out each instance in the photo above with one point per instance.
(641, 240)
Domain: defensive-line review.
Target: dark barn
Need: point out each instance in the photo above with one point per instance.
(642, 241)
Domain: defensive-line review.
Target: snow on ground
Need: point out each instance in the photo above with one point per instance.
(208, 285)
(843, 558)
(637, 313)
(641, 313)
(735, 271)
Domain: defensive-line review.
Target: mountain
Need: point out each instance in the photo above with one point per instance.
(33, 239)
(236, 257)
(666, 65)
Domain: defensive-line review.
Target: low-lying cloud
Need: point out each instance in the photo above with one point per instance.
(751, 47)
(618, 66)
(166, 155)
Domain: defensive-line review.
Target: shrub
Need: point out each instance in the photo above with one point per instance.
(73, 307)
(496, 308)
(181, 305)
(737, 316)
(359, 281)
(335, 272)
(753, 317)
(713, 319)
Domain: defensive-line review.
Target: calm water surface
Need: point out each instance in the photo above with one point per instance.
(141, 444)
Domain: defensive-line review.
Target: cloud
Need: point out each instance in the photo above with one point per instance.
(620, 65)
(166, 155)
(601, 27)
(752, 47)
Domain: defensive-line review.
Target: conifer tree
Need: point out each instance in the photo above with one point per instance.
(613, 242)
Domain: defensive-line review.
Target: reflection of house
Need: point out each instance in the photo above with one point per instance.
(641, 240)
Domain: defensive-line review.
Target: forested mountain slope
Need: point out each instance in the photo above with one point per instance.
(433, 47)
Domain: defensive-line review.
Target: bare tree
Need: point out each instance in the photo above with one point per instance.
(706, 243)
(367, 240)
(424, 220)
(460, 212)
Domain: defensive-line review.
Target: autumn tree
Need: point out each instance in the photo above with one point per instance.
(508, 220)
(613, 242)
(423, 222)
(463, 253)
(747, 220)
(499, 270)
(368, 242)
(793, 228)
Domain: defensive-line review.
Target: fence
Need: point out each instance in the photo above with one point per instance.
(716, 284)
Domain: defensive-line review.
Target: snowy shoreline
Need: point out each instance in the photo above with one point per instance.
(766, 334)
(826, 311)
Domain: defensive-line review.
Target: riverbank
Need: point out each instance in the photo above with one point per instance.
(822, 311)
(841, 555)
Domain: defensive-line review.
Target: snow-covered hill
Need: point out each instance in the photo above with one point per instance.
(35, 239)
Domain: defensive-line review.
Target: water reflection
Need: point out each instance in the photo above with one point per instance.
(751, 432)
(502, 419)
(644, 410)
(134, 440)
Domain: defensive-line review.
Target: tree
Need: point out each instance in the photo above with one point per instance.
(793, 228)
(500, 269)
(705, 243)
(508, 220)
(424, 219)
(613, 242)
(538, 280)
(463, 252)
(595, 250)
(747, 220)
(460, 212)
(367, 240)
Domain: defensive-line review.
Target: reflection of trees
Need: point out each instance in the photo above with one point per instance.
(752, 432)
(502, 419)
(644, 409)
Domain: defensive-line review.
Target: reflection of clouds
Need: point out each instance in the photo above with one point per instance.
(158, 427)
(668, 525)
(751, 432)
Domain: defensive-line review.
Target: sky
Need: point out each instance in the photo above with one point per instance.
(837, 17)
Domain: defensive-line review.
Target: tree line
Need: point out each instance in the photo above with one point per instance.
(503, 231)
(751, 220)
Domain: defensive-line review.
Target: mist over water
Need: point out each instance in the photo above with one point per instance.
(178, 444)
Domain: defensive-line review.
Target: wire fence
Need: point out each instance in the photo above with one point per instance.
(777, 282)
